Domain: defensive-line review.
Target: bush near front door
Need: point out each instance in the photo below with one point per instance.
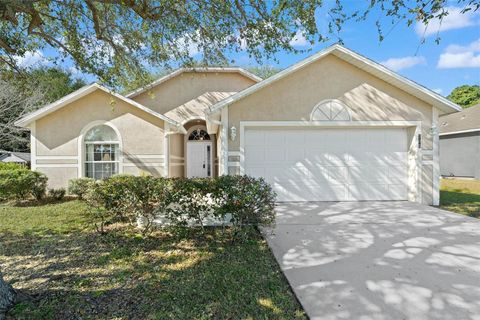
(246, 201)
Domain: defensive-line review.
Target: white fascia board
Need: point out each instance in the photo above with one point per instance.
(458, 132)
(182, 70)
(25, 121)
(423, 93)
(29, 118)
(139, 106)
(216, 107)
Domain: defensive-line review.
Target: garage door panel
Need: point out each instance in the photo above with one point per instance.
(275, 153)
(330, 164)
(254, 138)
(367, 173)
(368, 191)
(398, 191)
(274, 138)
(295, 153)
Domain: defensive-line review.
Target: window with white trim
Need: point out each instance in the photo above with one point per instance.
(330, 110)
(101, 152)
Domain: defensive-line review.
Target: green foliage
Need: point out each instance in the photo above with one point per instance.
(466, 95)
(79, 187)
(241, 201)
(264, 71)
(57, 194)
(249, 201)
(191, 201)
(10, 166)
(55, 83)
(19, 184)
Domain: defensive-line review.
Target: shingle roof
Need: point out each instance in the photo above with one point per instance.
(466, 120)
(15, 157)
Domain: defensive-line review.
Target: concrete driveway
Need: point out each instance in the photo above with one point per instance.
(379, 260)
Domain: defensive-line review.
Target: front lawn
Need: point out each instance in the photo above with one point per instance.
(70, 271)
(461, 196)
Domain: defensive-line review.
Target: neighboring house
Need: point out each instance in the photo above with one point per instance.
(335, 126)
(460, 143)
(22, 158)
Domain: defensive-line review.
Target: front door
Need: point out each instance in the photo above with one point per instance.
(199, 159)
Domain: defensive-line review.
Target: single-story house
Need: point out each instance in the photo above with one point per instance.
(333, 127)
(22, 158)
(460, 143)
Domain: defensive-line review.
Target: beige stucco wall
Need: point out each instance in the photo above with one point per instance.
(189, 85)
(57, 135)
(368, 97)
(294, 97)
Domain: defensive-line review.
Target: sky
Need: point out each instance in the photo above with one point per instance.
(440, 67)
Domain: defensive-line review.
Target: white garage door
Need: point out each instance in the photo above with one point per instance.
(330, 164)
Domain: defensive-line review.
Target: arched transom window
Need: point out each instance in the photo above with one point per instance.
(101, 152)
(330, 110)
(199, 135)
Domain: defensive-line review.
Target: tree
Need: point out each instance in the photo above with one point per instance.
(264, 72)
(7, 297)
(119, 40)
(23, 93)
(466, 95)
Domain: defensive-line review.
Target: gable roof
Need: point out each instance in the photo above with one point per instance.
(42, 112)
(467, 120)
(195, 108)
(17, 157)
(359, 61)
(183, 70)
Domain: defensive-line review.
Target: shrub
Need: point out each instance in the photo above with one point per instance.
(11, 166)
(191, 200)
(109, 200)
(39, 185)
(128, 198)
(241, 200)
(149, 195)
(21, 183)
(57, 194)
(80, 186)
(249, 201)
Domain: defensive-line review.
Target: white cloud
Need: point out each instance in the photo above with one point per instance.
(31, 59)
(454, 20)
(398, 64)
(457, 56)
(299, 39)
(438, 90)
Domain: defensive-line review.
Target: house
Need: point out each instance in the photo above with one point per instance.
(22, 158)
(335, 126)
(460, 143)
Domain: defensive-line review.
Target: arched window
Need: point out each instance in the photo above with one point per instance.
(199, 135)
(101, 152)
(330, 110)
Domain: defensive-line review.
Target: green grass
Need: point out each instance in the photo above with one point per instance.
(70, 271)
(461, 196)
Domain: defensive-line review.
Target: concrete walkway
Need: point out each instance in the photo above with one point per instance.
(379, 260)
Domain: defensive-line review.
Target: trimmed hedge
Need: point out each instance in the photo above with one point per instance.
(19, 184)
(239, 200)
(79, 187)
(11, 166)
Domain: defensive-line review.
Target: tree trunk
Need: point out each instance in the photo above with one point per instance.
(7, 297)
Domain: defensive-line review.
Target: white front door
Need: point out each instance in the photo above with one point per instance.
(199, 159)
(314, 164)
